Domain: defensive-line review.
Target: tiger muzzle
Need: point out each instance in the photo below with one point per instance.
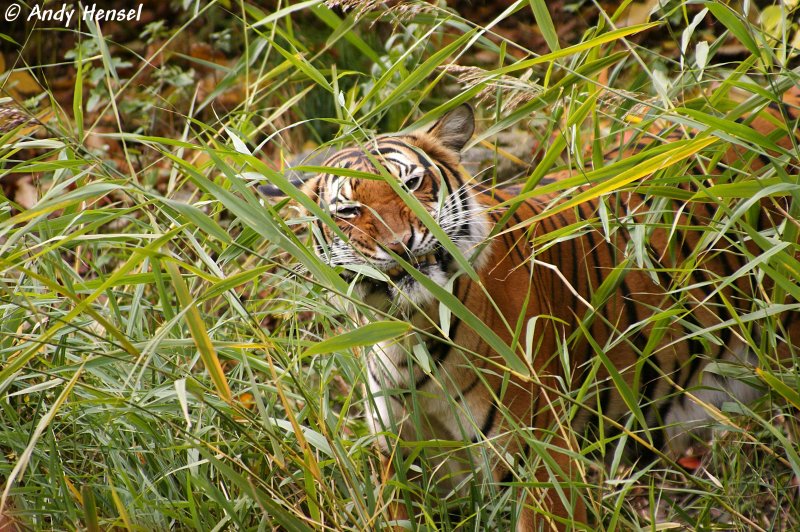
(397, 272)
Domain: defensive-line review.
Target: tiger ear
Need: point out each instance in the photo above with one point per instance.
(455, 128)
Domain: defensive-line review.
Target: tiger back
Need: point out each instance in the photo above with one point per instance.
(582, 299)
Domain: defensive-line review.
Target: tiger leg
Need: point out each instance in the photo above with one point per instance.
(396, 510)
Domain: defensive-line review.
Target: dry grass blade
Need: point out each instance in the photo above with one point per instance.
(205, 346)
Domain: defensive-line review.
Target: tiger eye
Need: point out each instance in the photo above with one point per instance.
(414, 182)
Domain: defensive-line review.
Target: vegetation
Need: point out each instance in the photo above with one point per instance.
(174, 356)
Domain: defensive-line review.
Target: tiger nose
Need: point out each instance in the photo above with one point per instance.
(401, 243)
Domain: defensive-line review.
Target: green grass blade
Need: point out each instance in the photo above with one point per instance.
(366, 335)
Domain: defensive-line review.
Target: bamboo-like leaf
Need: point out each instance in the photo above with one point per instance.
(199, 334)
(679, 151)
(732, 21)
(788, 393)
(419, 74)
(44, 422)
(733, 128)
(545, 24)
(577, 48)
(286, 11)
(90, 509)
(369, 334)
(200, 219)
(285, 519)
(344, 28)
(92, 190)
(123, 512)
(302, 64)
(82, 305)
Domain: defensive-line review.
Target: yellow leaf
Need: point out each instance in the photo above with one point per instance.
(200, 334)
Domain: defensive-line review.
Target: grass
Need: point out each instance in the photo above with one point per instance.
(173, 354)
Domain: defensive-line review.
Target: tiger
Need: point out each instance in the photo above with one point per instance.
(569, 295)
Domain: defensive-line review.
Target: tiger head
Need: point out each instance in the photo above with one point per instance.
(379, 227)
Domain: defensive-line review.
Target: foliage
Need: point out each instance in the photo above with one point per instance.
(173, 354)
